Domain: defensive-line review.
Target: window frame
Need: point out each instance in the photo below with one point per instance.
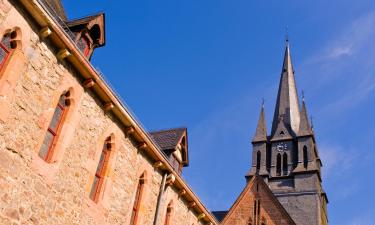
(55, 133)
(168, 214)
(100, 172)
(137, 200)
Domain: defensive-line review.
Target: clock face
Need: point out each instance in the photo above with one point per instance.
(281, 147)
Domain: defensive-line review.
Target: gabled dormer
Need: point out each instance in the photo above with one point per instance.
(173, 143)
(88, 33)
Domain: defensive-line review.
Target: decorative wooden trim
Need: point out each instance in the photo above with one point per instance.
(182, 193)
(63, 53)
(88, 83)
(158, 164)
(192, 205)
(129, 130)
(171, 179)
(142, 146)
(108, 106)
(45, 32)
(201, 216)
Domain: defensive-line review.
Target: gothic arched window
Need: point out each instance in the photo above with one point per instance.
(101, 170)
(46, 151)
(278, 164)
(137, 200)
(258, 161)
(168, 214)
(305, 158)
(285, 164)
(6, 46)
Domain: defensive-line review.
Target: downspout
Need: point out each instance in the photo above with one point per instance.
(161, 193)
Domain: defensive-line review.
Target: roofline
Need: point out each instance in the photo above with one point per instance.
(84, 68)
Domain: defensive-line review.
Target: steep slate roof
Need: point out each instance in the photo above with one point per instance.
(56, 8)
(287, 107)
(168, 139)
(220, 215)
(261, 131)
(304, 126)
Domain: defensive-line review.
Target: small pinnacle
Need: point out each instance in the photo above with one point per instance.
(263, 102)
(312, 124)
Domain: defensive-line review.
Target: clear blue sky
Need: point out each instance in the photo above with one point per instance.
(207, 64)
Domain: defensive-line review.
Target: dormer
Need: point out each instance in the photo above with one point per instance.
(88, 33)
(173, 143)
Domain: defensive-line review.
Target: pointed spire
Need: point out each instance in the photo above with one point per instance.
(261, 131)
(287, 106)
(304, 126)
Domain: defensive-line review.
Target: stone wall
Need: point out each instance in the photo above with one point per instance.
(36, 192)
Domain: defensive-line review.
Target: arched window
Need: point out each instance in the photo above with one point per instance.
(46, 151)
(83, 45)
(258, 161)
(6, 46)
(101, 169)
(305, 158)
(137, 200)
(168, 214)
(285, 164)
(278, 165)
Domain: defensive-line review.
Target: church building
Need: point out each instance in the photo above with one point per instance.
(284, 184)
(71, 152)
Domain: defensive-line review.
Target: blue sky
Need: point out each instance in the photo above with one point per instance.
(207, 64)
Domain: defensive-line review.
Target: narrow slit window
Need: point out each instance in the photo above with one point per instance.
(305, 157)
(285, 164)
(137, 200)
(46, 151)
(101, 170)
(258, 161)
(278, 165)
(168, 214)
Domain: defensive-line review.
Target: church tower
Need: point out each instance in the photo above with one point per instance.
(287, 159)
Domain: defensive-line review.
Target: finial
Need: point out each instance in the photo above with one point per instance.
(303, 95)
(263, 102)
(286, 35)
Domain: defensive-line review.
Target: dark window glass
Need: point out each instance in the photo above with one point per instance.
(305, 158)
(47, 144)
(258, 161)
(46, 150)
(137, 201)
(57, 116)
(83, 45)
(285, 164)
(100, 171)
(168, 214)
(5, 49)
(278, 164)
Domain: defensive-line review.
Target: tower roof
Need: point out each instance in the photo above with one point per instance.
(287, 107)
(261, 131)
(304, 126)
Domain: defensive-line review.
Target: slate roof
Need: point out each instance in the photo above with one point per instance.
(56, 8)
(304, 126)
(261, 131)
(168, 139)
(219, 215)
(287, 106)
